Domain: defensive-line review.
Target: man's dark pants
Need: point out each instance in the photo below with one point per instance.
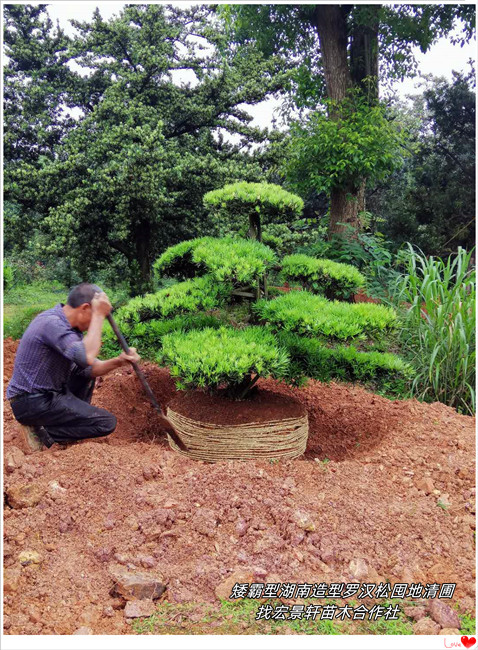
(65, 416)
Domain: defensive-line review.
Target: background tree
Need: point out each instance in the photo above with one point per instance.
(129, 176)
(36, 82)
(338, 47)
(431, 200)
(36, 85)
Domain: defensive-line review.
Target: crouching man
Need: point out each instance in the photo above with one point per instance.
(55, 369)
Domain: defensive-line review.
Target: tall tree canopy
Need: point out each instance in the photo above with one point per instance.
(129, 174)
(336, 48)
(36, 82)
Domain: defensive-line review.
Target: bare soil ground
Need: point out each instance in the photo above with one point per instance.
(108, 503)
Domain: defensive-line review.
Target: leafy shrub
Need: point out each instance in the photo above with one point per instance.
(7, 276)
(201, 293)
(332, 279)
(311, 358)
(305, 313)
(212, 358)
(360, 143)
(438, 332)
(369, 252)
(234, 260)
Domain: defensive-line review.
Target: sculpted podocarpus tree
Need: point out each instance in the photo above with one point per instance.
(221, 341)
(220, 337)
(209, 340)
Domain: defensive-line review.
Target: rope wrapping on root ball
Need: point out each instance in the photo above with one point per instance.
(253, 440)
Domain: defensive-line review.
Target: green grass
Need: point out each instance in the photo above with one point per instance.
(401, 626)
(23, 303)
(227, 618)
(239, 617)
(468, 625)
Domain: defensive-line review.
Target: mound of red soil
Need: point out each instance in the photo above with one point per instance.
(264, 406)
(394, 502)
(361, 296)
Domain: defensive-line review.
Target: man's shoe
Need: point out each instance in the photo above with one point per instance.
(32, 438)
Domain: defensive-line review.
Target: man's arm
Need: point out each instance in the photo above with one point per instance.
(100, 368)
(100, 308)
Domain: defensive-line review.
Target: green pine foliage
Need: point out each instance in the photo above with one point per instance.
(235, 260)
(147, 336)
(177, 261)
(257, 204)
(192, 326)
(323, 276)
(310, 315)
(261, 196)
(313, 359)
(212, 358)
(194, 295)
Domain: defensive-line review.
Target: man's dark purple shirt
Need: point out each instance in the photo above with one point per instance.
(47, 353)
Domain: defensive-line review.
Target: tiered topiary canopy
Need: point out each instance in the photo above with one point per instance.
(260, 203)
(217, 329)
(298, 334)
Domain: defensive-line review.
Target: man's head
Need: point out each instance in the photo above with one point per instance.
(78, 305)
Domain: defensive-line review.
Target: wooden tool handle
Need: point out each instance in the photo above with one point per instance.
(137, 369)
(144, 382)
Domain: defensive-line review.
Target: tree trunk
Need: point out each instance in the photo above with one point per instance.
(345, 206)
(141, 274)
(364, 64)
(364, 51)
(255, 229)
(331, 24)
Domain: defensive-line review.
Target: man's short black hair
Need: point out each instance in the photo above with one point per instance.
(82, 293)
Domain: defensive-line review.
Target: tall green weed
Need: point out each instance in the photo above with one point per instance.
(438, 333)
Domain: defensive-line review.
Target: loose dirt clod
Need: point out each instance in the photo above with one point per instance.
(136, 585)
(138, 608)
(359, 511)
(83, 630)
(14, 459)
(426, 626)
(24, 495)
(29, 557)
(443, 614)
